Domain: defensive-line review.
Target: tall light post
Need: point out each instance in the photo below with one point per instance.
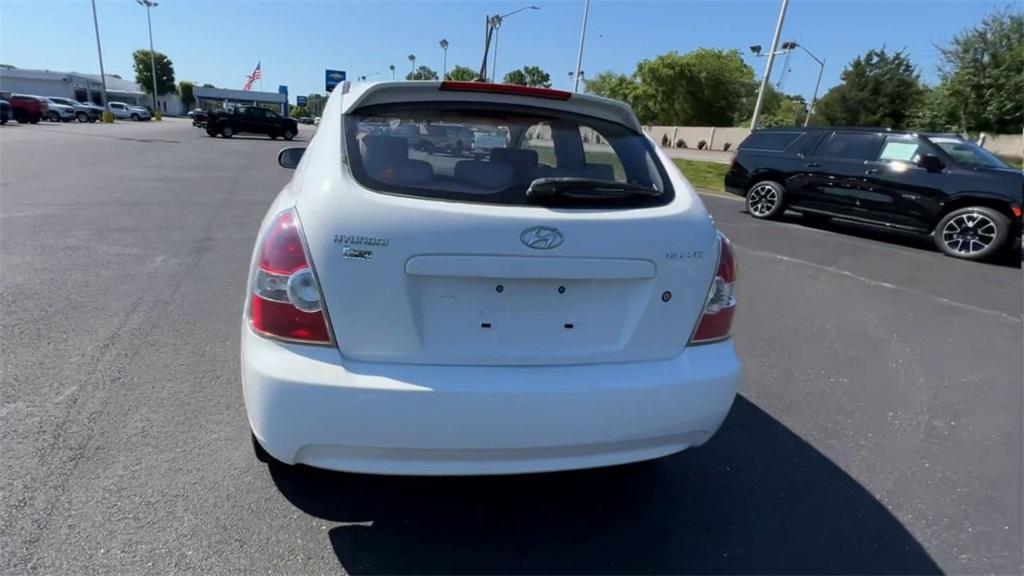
(768, 66)
(444, 66)
(817, 84)
(412, 58)
(495, 23)
(152, 55)
(365, 76)
(390, 67)
(581, 75)
(579, 56)
(107, 117)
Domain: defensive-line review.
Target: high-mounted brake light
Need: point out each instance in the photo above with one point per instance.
(716, 321)
(285, 301)
(506, 89)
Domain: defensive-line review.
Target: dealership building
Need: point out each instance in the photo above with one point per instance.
(209, 98)
(89, 88)
(83, 88)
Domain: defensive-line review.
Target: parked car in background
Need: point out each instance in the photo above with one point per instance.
(125, 111)
(251, 120)
(486, 140)
(28, 109)
(407, 314)
(199, 117)
(965, 197)
(57, 112)
(83, 111)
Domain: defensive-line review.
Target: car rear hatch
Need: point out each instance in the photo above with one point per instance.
(421, 275)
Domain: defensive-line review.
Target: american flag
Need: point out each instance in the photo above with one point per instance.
(256, 75)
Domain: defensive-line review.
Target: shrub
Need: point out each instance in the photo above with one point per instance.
(726, 146)
(702, 144)
(681, 143)
(664, 140)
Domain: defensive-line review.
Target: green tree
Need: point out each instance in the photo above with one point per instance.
(789, 110)
(185, 93)
(704, 87)
(537, 77)
(315, 104)
(462, 74)
(144, 72)
(298, 111)
(982, 84)
(422, 73)
(517, 77)
(611, 85)
(529, 76)
(877, 89)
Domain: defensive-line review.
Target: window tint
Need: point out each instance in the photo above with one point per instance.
(852, 146)
(769, 140)
(899, 149)
(492, 156)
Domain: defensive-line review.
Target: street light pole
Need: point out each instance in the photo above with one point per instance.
(495, 24)
(152, 55)
(579, 56)
(817, 84)
(768, 65)
(444, 66)
(103, 77)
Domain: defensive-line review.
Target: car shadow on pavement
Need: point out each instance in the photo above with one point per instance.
(1010, 258)
(756, 498)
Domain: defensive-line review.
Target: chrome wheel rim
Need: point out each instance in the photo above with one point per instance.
(762, 200)
(969, 233)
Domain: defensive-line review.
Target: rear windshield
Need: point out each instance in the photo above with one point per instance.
(470, 152)
(775, 141)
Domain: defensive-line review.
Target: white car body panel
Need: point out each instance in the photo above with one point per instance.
(417, 386)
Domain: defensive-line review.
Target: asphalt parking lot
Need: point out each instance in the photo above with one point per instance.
(878, 430)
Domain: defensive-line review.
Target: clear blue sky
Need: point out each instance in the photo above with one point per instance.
(220, 41)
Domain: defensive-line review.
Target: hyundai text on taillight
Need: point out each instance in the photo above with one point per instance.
(716, 321)
(285, 301)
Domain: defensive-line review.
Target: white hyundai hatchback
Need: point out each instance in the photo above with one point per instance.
(563, 301)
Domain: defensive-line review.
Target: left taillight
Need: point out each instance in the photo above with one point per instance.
(285, 301)
(720, 306)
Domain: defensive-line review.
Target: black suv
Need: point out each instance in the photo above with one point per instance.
(939, 184)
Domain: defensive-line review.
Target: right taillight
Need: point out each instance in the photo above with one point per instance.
(285, 300)
(716, 321)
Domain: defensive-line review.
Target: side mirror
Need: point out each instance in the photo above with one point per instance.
(929, 162)
(289, 157)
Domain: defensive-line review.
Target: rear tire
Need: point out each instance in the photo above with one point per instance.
(53, 116)
(227, 131)
(766, 200)
(288, 134)
(135, 117)
(972, 233)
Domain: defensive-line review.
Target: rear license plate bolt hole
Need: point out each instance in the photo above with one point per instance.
(666, 296)
(561, 289)
(485, 324)
(499, 288)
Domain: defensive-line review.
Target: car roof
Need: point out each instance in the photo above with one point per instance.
(854, 129)
(367, 94)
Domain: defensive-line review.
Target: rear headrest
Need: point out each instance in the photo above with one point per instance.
(524, 162)
(489, 175)
(380, 152)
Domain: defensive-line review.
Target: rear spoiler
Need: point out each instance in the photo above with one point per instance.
(361, 95)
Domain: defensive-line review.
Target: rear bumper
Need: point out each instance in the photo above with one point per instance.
(307, 405)
(736, 183)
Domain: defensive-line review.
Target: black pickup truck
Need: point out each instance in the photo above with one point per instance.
(250, 120)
